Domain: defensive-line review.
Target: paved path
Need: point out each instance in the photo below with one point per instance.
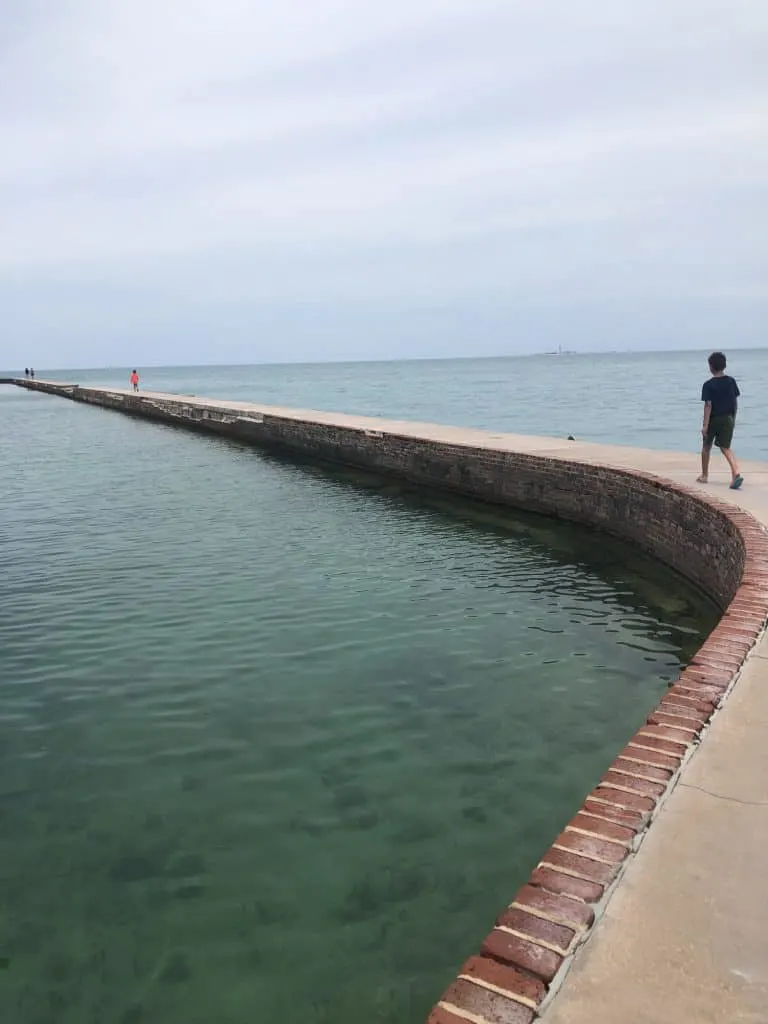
(684, 940)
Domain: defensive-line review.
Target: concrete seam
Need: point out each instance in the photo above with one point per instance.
(722, 796)
(596, 835)
(536, 941)
(465, 1014)
(587, 856)
(637, 775)
(523, 1000)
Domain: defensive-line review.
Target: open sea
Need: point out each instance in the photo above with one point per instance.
(648, 400)
(280, 741)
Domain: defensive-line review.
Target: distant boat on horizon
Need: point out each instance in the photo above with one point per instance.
(561, 352)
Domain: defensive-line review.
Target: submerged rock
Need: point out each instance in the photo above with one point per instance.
(133, 1014)
(136, 867)
(176, 969)
(186, 865)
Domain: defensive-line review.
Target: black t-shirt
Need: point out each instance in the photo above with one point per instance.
(722, 392)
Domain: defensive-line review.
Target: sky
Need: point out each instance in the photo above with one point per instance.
(237, 181)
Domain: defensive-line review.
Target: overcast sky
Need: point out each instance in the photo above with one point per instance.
(188, 181)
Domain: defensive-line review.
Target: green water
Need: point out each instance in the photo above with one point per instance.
(279, 742)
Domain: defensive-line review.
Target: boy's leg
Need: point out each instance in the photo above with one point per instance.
(730, 458)
(706, 451)
(724, 440)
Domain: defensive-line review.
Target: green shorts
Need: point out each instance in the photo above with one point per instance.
(720, 431)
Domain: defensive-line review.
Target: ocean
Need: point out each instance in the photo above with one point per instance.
(649, 400)
(283, 740)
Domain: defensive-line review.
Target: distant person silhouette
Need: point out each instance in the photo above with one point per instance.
(31, 372)
(135, 381)
(26, 371)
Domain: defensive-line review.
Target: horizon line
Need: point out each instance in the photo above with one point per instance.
(404, 359)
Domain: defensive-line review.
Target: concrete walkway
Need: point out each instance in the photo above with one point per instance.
(684, 939)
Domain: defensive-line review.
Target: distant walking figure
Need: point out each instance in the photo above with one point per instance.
(26, 371)
(720, 396)
(135, 380)
(31, 372)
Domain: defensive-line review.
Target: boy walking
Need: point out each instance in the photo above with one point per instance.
(135, 381)
(720, 397)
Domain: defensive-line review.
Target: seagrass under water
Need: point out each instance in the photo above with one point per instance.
(278, 741)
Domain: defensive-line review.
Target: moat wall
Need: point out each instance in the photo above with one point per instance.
(675, 526)
(724, 550)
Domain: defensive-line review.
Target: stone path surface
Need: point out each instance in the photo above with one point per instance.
(684, 938)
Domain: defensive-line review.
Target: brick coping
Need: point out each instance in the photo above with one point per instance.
(524, 960)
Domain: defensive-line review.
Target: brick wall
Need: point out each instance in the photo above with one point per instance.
(697, 539)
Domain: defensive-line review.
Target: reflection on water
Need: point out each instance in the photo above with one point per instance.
(280, 742)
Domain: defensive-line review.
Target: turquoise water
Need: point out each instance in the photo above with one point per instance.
(650, 400)
(278, 741)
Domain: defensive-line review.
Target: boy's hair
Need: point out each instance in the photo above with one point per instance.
(717, 362)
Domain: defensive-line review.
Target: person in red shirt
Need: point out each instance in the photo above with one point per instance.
(135, 380)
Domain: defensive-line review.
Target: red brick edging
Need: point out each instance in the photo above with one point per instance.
(526, 955)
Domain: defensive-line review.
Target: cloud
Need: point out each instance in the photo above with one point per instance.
(171, 168)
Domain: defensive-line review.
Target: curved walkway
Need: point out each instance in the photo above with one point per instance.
(684, 940)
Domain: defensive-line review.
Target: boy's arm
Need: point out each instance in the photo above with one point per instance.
(707, 407)
(707, 414)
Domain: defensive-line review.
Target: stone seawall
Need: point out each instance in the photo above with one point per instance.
(693, 537)
(719, 547)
